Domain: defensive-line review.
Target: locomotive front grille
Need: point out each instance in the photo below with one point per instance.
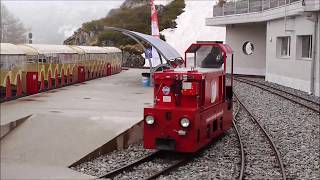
(165, 144)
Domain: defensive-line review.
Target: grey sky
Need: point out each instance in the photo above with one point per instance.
(51, 22)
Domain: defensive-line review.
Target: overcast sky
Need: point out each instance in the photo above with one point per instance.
(51, 22)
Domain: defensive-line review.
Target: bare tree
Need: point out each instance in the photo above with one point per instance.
(12, 29)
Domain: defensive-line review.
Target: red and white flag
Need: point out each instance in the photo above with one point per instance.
(155, 60)
(154, 21)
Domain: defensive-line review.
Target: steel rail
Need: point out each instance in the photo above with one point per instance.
(170, 168)
(142, 160)
(276, 93)
(267, 135)
(130, 166)
(294, 95)
(240, 142)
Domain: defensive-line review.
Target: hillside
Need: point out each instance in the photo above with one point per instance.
(133, 15)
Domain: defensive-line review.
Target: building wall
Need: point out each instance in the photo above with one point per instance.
(236, 36)
(291, 71)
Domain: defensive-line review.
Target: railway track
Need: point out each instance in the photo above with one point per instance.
(248, 142)
(173, 161)
(240, 143)
(304, 102)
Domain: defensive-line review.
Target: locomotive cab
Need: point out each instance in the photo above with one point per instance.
(192, 105)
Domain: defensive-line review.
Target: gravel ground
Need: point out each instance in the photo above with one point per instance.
(288, 89)
(294, 129)
(147, 169)
(260, 159)
(112, 161)
(221, 160)
(306, 100)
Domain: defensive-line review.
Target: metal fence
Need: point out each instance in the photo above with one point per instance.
(248, 6)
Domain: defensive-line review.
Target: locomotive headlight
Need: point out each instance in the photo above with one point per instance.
(184, 122)
(149, 119)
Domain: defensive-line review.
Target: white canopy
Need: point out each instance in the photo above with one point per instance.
(168, 52)
(52, 49)
(112, 49)
(93, 49)
(7, 48)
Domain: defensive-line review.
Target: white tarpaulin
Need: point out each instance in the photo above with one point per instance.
(52, 49)
(168, 52)
(164, 49)
(7, 48)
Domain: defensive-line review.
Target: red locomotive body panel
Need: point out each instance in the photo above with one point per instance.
(190, 109)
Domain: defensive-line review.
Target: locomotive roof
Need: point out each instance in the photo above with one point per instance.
(200, 70)
(7, 48)
(195, 47)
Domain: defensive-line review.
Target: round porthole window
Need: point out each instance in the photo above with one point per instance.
(248, 48)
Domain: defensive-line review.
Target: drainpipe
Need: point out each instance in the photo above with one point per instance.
(314, 49)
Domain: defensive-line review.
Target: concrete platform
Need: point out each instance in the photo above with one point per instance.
(68, 123)
(14, 170)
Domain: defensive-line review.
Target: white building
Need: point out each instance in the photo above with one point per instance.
(285, 38)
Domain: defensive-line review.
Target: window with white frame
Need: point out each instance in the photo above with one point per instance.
(283, 46)
(304, 46)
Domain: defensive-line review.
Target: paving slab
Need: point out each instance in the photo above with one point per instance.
(70, 122)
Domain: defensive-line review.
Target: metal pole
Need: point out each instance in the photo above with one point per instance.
(314, 49)
(269, 3)
(185, 59)
(144, 49)
(285, 14)
(194, 60)
(160, 57)
(232, 70)
(223, 10)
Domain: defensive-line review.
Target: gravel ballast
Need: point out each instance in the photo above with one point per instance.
(220, 160)
(112, 161)
(147, 169)
(287, 89)
(293, 128)
(260, 159)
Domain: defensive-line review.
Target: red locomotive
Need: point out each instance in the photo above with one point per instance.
(191, 106)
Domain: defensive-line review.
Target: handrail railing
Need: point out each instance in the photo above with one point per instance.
(248, 6)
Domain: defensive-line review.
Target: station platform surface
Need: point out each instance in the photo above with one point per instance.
(68, 123)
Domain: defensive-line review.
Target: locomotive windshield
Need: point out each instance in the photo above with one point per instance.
(209, 57)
